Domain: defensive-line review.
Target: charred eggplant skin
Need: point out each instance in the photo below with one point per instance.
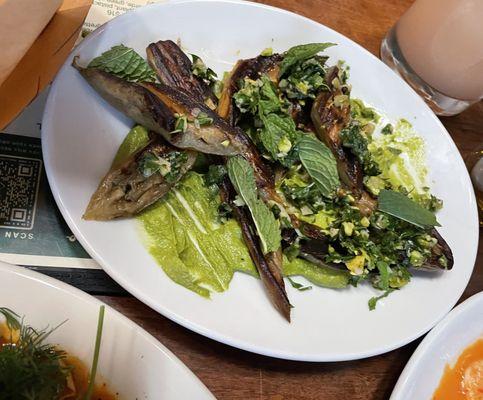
(125, 191)
(328, 120)
(251, 68)
(268, 266)
(130, 98)
(441, 248)
(174, 69)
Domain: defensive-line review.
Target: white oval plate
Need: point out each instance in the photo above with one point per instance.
(442, 346)
(81, 134)
(132, 362)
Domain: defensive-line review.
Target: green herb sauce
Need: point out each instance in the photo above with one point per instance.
(184, 234)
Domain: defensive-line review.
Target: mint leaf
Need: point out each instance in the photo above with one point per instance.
(320, 164)
(125, 63)
(373, 300)
(298, 286)
(400, 206)
(301, 53)
(243, 179)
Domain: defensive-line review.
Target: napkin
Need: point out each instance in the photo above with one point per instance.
(42, 59)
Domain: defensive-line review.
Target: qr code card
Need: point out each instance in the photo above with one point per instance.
(19, 185)
(32, 230)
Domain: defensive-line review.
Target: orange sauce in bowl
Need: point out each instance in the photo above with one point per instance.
(80, 375)
(463, 381)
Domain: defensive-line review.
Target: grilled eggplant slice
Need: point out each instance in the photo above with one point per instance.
(251, 68)
(269, 265)
(174, 69)
(181, 77)
(144, 178)
(329, 120)
(158, 108)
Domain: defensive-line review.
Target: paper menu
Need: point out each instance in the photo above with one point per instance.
(103, 10)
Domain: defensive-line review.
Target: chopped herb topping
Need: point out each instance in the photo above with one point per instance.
(168, 165)
(181, 123)
(200, 70)
(373, 300)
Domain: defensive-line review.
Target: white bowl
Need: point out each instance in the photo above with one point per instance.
(132, 362)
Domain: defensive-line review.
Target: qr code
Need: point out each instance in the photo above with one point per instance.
(19, 182)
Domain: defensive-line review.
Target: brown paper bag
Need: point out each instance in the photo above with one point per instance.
(39, 65)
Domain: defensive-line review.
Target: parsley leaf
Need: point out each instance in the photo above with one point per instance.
(353, 139)
(269, 101)
(125, 63)
(373, 300)
(384, 272)
(305, 80)
(215, 175)
(243, 179)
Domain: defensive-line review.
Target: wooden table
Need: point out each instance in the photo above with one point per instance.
(234, 374)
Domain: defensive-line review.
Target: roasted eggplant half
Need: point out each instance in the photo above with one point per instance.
(140, 181)
(181, 120)
(269, 265)
(175, 69)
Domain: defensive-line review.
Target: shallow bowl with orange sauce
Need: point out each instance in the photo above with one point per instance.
(448, 363)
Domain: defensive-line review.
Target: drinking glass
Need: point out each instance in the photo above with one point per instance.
(437, 47)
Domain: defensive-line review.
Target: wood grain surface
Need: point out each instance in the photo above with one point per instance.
(237, 375)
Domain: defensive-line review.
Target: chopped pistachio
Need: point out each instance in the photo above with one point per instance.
(333, 232)
(305, 210)
(416, 259)
(365, 222)
(267, 52)
(374, 185)
(341, 100)
(356, 265)
(284, 145)
(348, 228)
(443, 261)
